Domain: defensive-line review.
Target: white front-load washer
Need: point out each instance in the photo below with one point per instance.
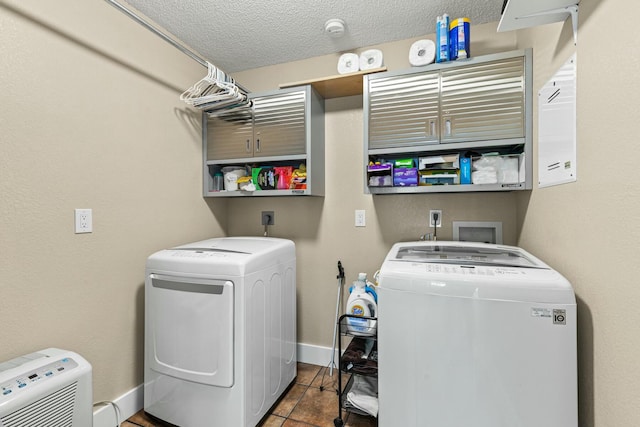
(220, 330)
(473, 334)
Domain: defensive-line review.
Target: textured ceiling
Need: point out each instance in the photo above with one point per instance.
(241, 35)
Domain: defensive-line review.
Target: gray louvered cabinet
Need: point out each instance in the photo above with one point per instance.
(279, 124)
(275, 126)
(468, 107)
(282, 128)
(483, 101)
(403, 110)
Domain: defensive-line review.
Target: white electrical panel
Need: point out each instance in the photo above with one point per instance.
(557, 127)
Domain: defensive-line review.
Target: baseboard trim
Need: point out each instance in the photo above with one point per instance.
(129, 403)
(133, 400)
(315, 355)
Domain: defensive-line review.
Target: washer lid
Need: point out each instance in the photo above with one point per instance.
(472, 270)
(465, 254)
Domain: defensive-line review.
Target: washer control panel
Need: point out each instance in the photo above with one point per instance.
(472, 270)
(10, 388)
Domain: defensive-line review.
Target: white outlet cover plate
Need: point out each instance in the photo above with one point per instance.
(83, 221)
(360, 218)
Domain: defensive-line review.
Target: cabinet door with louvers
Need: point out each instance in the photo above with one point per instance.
(402, 110)
(483, 101)
(279, 124)
(230, 135)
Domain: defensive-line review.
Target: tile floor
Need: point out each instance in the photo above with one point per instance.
(304, 405)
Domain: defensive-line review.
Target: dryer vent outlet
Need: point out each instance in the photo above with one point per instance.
(268, 218)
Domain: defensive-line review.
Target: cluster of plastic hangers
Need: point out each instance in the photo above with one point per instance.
(216, 93)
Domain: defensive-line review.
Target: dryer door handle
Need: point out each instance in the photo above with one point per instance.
(187, 286)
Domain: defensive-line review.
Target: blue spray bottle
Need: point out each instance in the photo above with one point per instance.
(442, 38)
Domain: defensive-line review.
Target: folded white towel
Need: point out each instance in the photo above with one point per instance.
(484, 177)
(364, 394)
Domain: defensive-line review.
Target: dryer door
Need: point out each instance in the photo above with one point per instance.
(190, 328)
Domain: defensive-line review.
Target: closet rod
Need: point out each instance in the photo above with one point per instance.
(153, 29)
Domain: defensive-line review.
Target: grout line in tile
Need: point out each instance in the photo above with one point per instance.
(306, 388)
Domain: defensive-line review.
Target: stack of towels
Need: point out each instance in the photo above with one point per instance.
(361, 357)
(364, 395)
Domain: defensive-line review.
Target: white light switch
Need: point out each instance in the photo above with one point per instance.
(360, 218)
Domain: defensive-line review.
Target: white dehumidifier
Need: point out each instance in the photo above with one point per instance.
(49, 388)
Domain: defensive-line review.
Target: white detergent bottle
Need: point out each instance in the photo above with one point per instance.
(362, 302)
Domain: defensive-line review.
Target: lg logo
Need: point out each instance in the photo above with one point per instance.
(559, 317)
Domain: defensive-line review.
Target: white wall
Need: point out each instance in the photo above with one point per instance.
(90, 117)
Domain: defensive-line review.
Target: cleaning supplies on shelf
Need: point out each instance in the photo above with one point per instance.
(465, 170)
(405, 174)
(362, 302)
(231, 175)
(442, 38)
(245, 183)
(459, 38)
(380, 174)
(283, 174)
(218, 181)
(364, 283)
(265, 178)
(299, 178)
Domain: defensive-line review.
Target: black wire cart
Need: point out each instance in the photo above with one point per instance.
(359, 362)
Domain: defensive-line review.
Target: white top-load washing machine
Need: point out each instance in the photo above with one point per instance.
(473, 334)
(220, 330)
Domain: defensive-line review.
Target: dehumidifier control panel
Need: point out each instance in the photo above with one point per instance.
(18, 384)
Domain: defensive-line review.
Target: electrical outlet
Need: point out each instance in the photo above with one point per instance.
(435, 218)
(360, 218)
(84, 221)
(268, 218)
